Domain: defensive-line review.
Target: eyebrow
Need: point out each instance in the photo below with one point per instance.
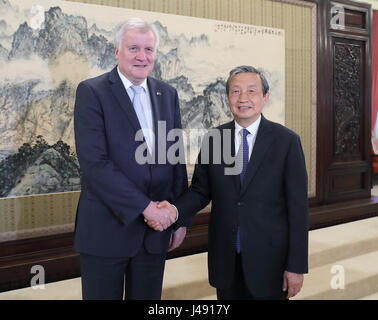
(249, 86)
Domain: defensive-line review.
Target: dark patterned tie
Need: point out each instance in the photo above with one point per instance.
(245, 151)
(245, 157)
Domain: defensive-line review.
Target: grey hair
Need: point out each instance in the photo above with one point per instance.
(243, 69)
(132, 24)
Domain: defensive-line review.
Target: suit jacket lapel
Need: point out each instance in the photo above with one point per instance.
(123, 98)
(263, 141)
(157, 112)
(155, 96)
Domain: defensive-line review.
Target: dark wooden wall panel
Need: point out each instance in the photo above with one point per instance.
(344, 163)
(355, 19)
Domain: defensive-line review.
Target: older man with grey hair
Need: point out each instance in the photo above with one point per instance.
(120, 256)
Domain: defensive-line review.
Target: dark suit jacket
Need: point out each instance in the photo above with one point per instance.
(270, 207)
(115, 189)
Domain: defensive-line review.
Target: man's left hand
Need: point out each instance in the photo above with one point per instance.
(292, 283)
(177, 238)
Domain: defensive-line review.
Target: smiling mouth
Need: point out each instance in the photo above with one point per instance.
(244, 107)
(140, 66)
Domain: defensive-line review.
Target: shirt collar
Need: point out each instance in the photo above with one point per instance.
(252, 128)
(127, 83)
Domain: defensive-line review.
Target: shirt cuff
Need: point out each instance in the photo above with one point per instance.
(177, 213)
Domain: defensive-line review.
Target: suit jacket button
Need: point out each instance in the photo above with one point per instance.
(240, 204)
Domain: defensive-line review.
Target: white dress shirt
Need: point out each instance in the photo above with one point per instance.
(251, 138)
(147, 108)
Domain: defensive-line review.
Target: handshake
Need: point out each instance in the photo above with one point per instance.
(160, 215)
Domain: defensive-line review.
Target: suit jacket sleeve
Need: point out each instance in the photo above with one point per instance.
(297, 206)
(197, 196)
(102, 177)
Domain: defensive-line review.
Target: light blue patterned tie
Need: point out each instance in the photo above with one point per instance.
(245, 154)
(138, 107)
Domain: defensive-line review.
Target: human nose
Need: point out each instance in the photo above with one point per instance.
(243, 96)
(141, 56)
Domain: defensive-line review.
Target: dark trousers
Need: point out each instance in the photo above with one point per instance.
(136, 278)
(239, 290)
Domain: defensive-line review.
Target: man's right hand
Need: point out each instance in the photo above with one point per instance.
(164, 205)
(161, 217)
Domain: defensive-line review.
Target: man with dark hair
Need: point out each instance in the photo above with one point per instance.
(258, 230)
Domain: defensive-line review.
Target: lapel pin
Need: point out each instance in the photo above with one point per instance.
(158, 93)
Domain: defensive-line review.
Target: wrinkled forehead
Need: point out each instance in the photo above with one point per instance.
(246, 79)
(137, 33)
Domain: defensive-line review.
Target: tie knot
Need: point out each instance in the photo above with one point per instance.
(245, 133)
(137, 89)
